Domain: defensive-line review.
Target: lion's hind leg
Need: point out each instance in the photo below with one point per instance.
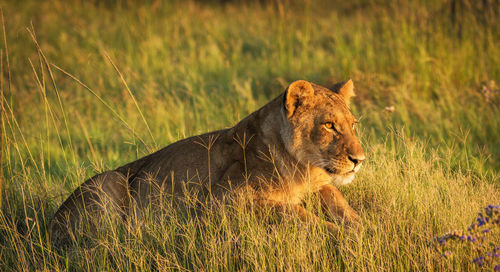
(104, 196)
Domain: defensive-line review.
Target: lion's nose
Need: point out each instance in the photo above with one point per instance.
(357, 159)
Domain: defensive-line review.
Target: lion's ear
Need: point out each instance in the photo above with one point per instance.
(347, 91)
(297, 93)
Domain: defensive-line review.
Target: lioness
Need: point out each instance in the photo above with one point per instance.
(302, 141)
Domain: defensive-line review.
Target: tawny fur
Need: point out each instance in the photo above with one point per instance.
(301, 142)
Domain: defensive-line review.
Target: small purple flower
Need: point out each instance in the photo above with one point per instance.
(476, 236)
(493, 255)
(479, 261)
(480, 258)
(471, 238)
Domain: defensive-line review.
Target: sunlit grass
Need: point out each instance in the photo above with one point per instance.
(89, 87)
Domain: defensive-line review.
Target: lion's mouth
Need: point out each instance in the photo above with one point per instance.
(333, 172)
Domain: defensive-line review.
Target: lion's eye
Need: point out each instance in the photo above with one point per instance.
(330, 126)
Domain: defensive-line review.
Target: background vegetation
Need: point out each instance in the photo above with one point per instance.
(91, 85)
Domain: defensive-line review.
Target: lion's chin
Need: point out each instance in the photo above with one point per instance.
(343, 179)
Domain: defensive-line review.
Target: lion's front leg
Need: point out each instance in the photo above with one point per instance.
(335, 203)
(303, 213)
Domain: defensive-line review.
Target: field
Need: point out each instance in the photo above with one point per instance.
(90, 85)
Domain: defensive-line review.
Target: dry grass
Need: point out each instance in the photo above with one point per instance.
(91, 86)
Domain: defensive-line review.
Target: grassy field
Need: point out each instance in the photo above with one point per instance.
(90, 86)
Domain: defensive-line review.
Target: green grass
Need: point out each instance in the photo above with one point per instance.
(192, 67)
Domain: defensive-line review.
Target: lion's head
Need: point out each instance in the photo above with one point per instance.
(321, 129)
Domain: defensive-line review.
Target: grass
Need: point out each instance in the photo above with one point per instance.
(90, 86)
